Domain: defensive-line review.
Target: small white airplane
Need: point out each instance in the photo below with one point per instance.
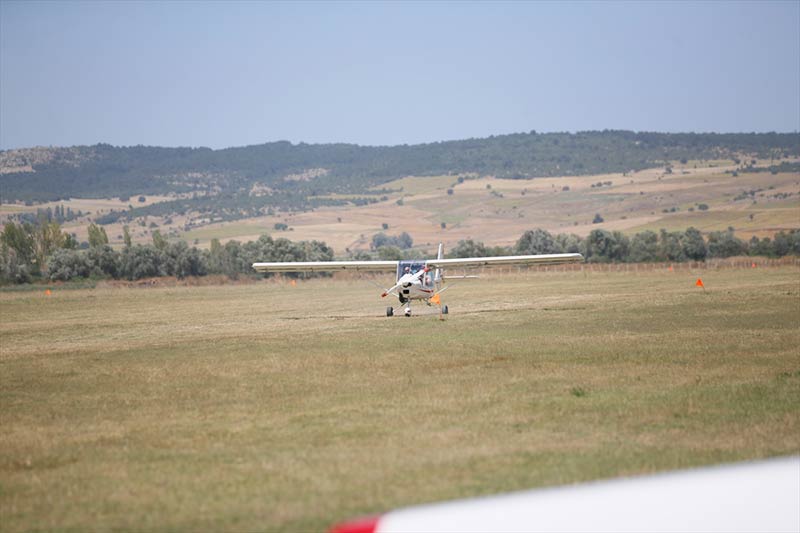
(414, 279)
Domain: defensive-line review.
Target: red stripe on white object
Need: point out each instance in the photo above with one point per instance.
(757, 496)
(365, 524)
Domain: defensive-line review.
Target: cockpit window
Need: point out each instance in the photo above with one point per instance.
(413, 267)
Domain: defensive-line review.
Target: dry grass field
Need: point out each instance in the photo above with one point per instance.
(269, 406)
(498, 211)
(92, 208)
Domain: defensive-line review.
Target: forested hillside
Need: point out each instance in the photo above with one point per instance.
(282, 174)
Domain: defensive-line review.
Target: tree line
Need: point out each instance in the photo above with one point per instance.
(30, 252)
(42, 252)
(602, 246)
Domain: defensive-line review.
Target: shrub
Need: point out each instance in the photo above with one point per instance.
(578, 392)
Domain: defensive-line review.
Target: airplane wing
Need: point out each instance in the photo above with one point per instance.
(327, 266)
(755, 496)
(506, 260)
(391, 266)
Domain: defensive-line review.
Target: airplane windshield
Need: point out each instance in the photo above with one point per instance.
(413, 267)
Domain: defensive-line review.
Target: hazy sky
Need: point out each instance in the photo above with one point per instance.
(377, 73)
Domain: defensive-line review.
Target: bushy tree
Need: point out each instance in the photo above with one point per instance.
(669, 246)
(693, 245)
(569, 243)
(319, 251)
(104, 261)
(725, 244)
(389, 253)
(34, 243)
(644, 247)
(361, 256)
(603, 246)
(215, 257)
(159, 241)
(19, 238)
(140, 261)
(537, 241)
(97, 235)
(787, 243)
(66, 264)
(181, 261)
(402, 241)
(70, 241)
(47, 238)
(232, 260)
(762, 247)
(12, 270)
(469, 248)
(378, 240)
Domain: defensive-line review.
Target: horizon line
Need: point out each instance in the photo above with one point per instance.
(491, 136)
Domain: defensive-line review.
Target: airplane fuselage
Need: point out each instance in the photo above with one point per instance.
(412, 286)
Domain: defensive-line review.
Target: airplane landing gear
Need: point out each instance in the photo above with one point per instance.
(389, 311)
(444, 310)
(408, 311)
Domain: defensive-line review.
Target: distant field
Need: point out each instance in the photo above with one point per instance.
(271, 407)
(88, 205)
(747, 220)
(92, 208)
(498, 211)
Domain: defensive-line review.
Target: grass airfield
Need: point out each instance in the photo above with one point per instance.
(269, 406)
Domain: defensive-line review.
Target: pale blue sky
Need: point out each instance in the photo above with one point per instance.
(382, 73)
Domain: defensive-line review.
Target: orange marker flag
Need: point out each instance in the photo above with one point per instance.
(699, 283)
(293, 283)
(754, 265)
(436, 300)
(47, 292)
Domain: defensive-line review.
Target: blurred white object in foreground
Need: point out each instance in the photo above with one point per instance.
(756, 496)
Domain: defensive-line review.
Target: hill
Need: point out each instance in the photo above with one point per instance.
(250, 180)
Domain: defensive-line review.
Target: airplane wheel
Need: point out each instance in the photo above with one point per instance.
(444, 310)
(408, 312)
(389, 311)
